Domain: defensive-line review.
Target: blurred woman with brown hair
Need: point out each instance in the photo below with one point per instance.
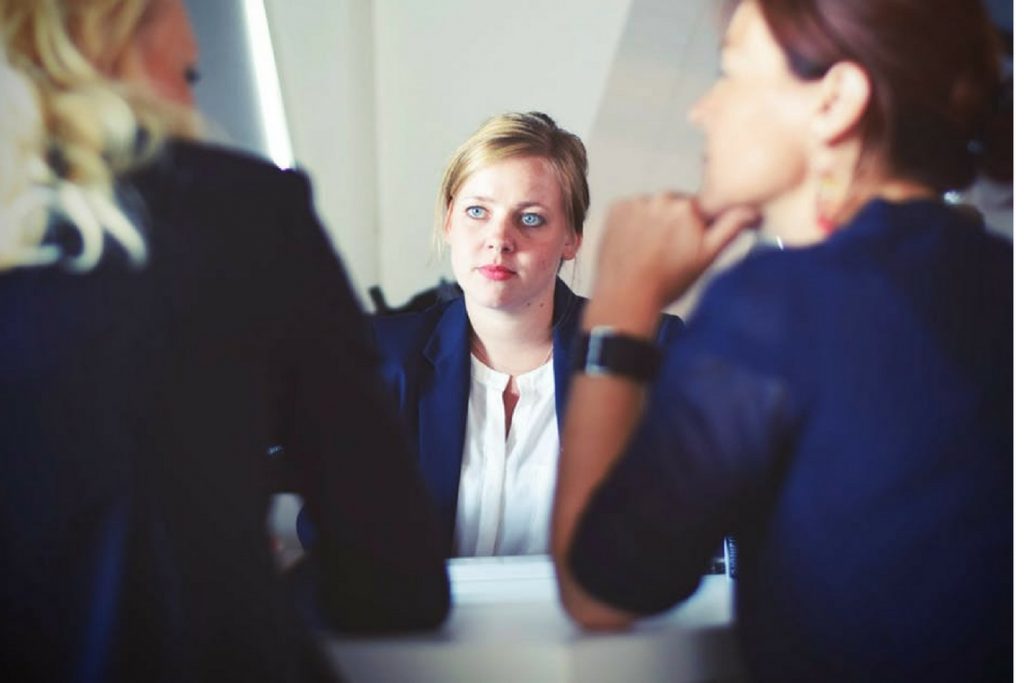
(842, 405)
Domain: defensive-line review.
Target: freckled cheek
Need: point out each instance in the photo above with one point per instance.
(548, 262)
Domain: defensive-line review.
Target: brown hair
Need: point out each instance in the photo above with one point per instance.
(934, 67)
(515, 134)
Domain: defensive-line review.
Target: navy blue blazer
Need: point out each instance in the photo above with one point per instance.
(846, 410)
(425, 363)
(136, 408)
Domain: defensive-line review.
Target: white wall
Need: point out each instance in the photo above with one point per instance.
(231, 115)
(324, 52)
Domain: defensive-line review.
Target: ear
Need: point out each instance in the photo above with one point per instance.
(572, 245)
(845, 91)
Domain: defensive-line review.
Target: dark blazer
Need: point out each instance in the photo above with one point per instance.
(846, 410)
(425, 363)
(137, 407)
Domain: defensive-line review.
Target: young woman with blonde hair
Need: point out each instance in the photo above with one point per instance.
(481, 381)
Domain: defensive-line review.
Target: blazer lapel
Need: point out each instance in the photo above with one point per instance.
(566, 321)
(442, 410)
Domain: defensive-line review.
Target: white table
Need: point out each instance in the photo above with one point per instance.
(507, 625)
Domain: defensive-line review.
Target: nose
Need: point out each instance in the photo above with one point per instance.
(501, 234)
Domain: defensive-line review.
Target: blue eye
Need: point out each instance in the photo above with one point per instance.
(532, 220)
(475, 211)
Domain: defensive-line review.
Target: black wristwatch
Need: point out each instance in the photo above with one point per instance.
(607, 352)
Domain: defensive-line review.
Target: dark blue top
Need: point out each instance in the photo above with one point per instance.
(136, 408)
(845, 410)
(426, 366)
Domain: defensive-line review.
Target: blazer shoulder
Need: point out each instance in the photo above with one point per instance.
(211, 169)
(400, 336)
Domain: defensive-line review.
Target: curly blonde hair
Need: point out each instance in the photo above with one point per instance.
(68, 128)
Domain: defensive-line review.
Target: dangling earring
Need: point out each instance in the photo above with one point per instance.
(825, 204)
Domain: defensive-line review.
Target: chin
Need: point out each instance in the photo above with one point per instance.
(713, 203)
(710, 203)
(486, 296)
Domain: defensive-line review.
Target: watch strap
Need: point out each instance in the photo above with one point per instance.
(605, 351)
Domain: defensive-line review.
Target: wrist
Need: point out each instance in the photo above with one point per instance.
(633, 315)
(605, 351)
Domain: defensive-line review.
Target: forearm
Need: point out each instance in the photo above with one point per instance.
(341, 592)
(652, 251)
(602, 414)
(362, 597)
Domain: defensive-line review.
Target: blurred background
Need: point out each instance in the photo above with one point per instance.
(372, 96)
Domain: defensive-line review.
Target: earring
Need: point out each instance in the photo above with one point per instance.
(826, 203)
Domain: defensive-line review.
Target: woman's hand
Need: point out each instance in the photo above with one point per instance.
(655, 247)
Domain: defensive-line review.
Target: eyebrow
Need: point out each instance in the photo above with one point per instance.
(520, 205)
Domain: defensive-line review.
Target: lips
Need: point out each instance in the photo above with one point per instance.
(496, 272)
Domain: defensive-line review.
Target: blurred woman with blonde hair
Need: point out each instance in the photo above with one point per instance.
(87, 97)
(169, 312)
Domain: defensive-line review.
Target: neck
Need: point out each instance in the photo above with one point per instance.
(894, 190)
(512, 342)
(793, 217)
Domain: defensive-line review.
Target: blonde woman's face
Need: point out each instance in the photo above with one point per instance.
(508, 234)
(164, 53)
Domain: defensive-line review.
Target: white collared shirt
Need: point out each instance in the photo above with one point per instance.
(507, 485)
